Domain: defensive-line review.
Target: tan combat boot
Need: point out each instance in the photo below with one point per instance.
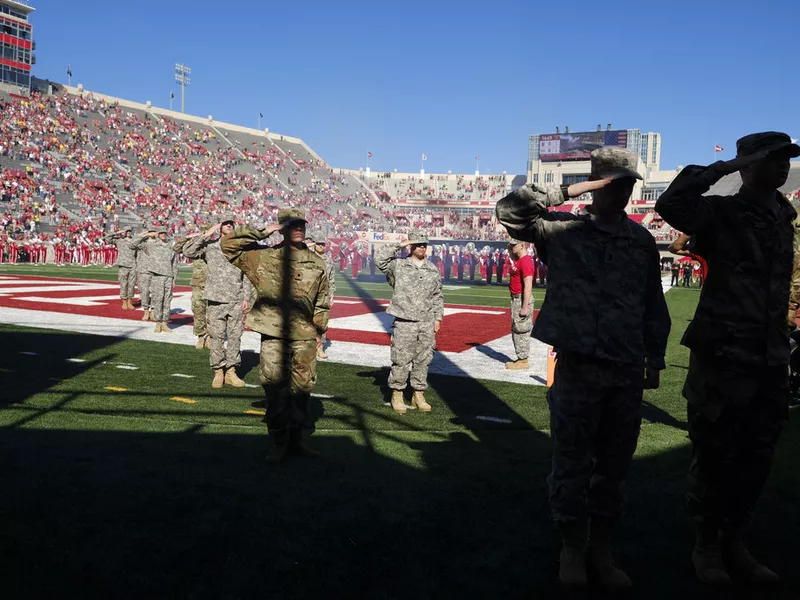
(599, 559)
(201, 340)
(742, 563)
(418, 401)
(707, 557)
(164, 328)
(158, 327)
(124, 304)
(130, 303)
(572, 560)
(398, 404)
(232, 379)
(219, 379)
(321, 353)
(517, 365)
(146, 315)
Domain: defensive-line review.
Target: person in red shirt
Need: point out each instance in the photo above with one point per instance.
(520, 286)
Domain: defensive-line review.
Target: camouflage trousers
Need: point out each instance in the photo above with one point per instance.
(143, 280)
(288, 395)
(160, 296)
(521, 327)
(225, 320)
(127, 282)
(199, 305)
(735, 415)
(324, 337)
(413, 343)
(595, 415)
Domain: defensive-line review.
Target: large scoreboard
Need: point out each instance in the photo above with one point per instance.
(578, 146)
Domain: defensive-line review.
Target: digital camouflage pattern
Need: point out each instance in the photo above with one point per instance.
(142, 254)
(595, 415)
(417, 289)
(225, 321)
(521, 327)
(126, 255)
(127, 282)
(199, 303)
(749, 250)
(413, 343)
(143, 275)
(224, 282)
(161, 296)
(308, 305)
(608, 279)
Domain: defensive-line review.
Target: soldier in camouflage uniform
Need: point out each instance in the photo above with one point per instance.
(418, 307)
(199, 304)
(227, 292)
(291, 313)
(163, 266)
(143, 275)
(737, 385)
(606, 316)
(126, 264)
(316, 242)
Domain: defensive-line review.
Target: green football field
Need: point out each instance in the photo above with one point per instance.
(146, 483)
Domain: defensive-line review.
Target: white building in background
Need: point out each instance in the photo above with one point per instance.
(562, 158)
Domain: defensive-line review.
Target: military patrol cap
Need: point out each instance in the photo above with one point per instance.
(417, 237)
(614, 163)
(766, 143)
(315, 236)
(289, 215)
(226, 218)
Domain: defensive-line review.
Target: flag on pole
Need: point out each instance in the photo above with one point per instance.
(171, 95)
(477, 158)
(424, 157)
(369, 154)
(718, 148)
(260, 115)
(69, 70)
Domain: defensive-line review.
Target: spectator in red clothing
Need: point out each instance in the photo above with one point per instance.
(521, 287)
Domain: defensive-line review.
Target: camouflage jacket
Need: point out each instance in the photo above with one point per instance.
(142, 254)
(604, 295)
(126, 257)
(307, 298)
(199, 266)
(161, 258)
(225, 282)
(794, 293)
(748, 246)
(330, 273)
(417, 289)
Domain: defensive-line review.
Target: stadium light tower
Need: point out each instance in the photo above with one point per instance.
(182, 73)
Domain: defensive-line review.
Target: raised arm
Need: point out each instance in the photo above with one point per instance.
(524, 212)
(236, 244)
(140, 240)
(196, 247)
(385, 259)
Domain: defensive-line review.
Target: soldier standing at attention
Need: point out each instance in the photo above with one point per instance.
(126, 264)
(291, 313)
(737, 386)
(143, 275)
(418, 307)
(227, 292)
(199, 304)
(163, 265)
(317, 244)
(605, 315)
(520, 285)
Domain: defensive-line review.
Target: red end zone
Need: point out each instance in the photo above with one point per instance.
(352, 319)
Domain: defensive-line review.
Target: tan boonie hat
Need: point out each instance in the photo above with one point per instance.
(613, 163)
(288, 215)
(417, 237)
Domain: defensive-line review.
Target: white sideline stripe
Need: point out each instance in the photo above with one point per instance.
(128, 367)
(28, 353)
(493, 419)
(76, 360)
(11, 291)
(183, 375)
(483, 362)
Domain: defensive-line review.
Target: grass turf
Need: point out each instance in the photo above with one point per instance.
(113, 487)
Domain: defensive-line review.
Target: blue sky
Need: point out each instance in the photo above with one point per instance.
(451, 80)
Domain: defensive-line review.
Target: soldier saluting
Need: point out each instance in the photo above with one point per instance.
(418, 307)
(737, 385)
(606, 316)
(291, 313)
